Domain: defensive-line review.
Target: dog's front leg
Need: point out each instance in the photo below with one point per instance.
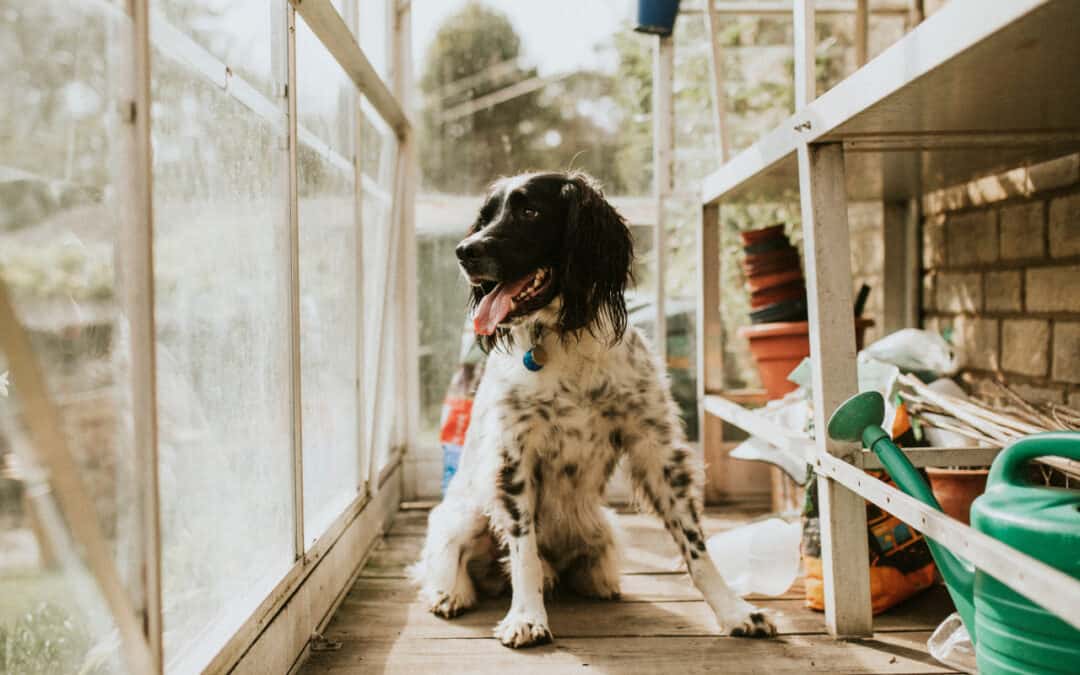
(526, 623)
(662, 468)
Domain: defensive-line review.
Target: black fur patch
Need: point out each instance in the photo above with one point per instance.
(679, 480)
(511, 508)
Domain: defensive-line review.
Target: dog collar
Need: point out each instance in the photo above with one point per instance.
(535, 358)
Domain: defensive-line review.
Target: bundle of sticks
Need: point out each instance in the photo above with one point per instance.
(998, 421)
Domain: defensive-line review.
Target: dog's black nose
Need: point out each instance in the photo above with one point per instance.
(471, 250)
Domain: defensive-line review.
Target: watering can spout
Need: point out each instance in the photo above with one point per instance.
(859, 419)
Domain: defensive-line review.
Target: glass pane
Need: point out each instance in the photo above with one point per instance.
(234, 32)
(375, 29)
(60, 242)
(224, 402)
(328, 285)
(382, 294)
(53, 618)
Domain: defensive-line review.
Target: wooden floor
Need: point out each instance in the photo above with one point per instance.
(660, 625)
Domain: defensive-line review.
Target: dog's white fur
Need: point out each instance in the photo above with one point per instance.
(538, 454)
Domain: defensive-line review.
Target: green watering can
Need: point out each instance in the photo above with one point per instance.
(1011, 634)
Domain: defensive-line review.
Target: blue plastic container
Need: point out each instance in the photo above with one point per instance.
(656, 17)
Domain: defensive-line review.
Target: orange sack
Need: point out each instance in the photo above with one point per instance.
(900, 561)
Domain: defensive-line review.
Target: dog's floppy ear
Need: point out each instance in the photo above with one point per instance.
(597, 252)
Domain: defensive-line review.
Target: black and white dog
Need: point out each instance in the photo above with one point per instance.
(568, 390)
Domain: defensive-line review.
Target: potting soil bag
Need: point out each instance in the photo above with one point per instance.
(900, 560)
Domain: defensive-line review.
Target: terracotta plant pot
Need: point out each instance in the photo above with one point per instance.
(955, 489)
(751, 237)
(772, 266)
(768, 296)
(786, 254)
(779, 347)
(760, 282)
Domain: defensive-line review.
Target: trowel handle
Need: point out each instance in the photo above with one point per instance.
(1008, 468)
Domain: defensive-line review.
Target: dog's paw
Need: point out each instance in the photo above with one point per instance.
(518, 629)
(754, 624)
(448, 605)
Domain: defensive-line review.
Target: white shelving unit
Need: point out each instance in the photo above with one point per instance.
(982, 86)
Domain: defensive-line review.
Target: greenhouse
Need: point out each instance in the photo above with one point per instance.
(275, 395)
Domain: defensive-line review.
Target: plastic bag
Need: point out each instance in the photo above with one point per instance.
(916, 350)
(761, 557)
(952, 645)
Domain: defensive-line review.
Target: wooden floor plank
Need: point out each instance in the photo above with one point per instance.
(573, 617)
(660, 623)
(897, 653)
(635, 588)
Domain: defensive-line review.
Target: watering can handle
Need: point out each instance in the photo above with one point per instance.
(1008, 468)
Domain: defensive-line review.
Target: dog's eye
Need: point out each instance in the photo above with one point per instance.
(530, 213)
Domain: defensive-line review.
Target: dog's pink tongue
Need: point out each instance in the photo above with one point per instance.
(496, 305)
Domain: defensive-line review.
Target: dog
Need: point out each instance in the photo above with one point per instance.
(568, 391)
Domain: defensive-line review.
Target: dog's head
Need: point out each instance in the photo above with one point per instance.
(551, 242)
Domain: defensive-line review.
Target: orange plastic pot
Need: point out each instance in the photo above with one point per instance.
(779, 347)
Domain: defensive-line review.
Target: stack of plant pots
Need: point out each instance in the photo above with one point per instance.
(773, 276)
(779, 334)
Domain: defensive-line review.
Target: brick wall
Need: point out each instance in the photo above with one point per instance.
(1001, 268)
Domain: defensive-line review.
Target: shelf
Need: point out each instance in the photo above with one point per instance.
(800, 444)
(980, 87)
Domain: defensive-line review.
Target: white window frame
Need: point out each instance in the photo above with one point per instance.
(305, 598)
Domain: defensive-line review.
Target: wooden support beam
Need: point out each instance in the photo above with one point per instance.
(710, 330)
(409, 409)
(353, 18)
(138, 289)
(719, 96)
(940, 457)
(292, 188)
(330, 28)
(862, 32)
(971, 140)
(663, 173)
(805, 44)
(832, 351)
